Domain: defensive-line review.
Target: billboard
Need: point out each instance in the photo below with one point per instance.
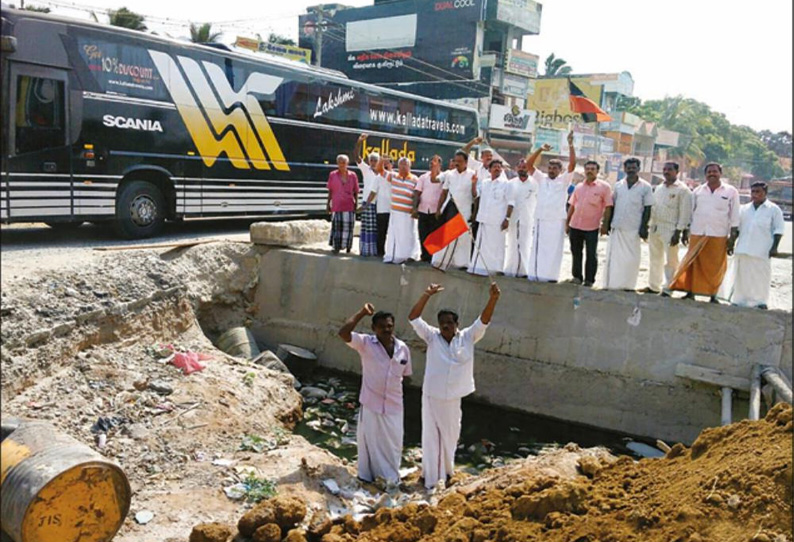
(513, 119)
(550, 101)
(513, 85)
(402, 42)
(287, 51)
(525, 14)
(521, 63)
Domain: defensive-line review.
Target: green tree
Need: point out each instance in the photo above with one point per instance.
(126, 19)
(556, 66)
(38, 9)
(203, 33)
(280, 40)
(779, 143)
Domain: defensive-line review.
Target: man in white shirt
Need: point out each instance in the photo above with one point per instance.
(715, 225)
(459, 186)
(482, 169)
(548, 237)
(380, 193)
(670, 216)
(493, 219)
(368, 239)
(626, 223)
(521, 201)
(761, 227)
(449, 376)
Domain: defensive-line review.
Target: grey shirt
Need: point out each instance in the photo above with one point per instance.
(629, 204)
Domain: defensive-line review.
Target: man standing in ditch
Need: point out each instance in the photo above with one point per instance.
(385, 360)
(449, 376)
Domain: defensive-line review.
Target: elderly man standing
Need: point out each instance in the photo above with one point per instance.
(545, 257)
(402, 240)
(458, 185)
(521, 200)
(449, 376)
(385, 360)
(426, 201)
(342, 202)
(670, 216)
(715, 225)
(626, 223)
(761, 228)
(587, 205)
(368, 240)
(493, 217)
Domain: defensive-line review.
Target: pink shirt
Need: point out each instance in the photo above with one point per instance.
(589, 202)
(381, 376)
(431, 193)
(343, 194)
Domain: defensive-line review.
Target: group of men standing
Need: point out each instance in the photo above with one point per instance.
(519, 225)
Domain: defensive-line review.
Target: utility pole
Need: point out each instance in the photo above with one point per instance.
(319, 28)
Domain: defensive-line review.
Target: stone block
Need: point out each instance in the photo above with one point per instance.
(293, 233)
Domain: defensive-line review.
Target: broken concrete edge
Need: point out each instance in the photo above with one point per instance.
(289, 234)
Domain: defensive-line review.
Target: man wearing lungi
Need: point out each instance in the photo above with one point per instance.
(342, 202)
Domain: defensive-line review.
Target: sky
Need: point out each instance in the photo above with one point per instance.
(736, 57)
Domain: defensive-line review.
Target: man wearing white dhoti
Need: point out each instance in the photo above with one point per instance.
(548, 236)
(493, 219)
(449, 376)
(626, 222)
(402, 239)
(385, 360)
(459, 186)
(521, 201)
(761, 227)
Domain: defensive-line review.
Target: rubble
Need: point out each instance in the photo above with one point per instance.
(288, 234)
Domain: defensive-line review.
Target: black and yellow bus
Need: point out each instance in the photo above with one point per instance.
(106, 124)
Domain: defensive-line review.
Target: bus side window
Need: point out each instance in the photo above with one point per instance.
(39, 114)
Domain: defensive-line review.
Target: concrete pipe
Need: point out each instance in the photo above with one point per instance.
(727, 405)
(239, 342)
(755, 393)
(53, 488)
(782, 389)
(299, 361)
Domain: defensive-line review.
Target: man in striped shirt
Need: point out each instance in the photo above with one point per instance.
(402, 240)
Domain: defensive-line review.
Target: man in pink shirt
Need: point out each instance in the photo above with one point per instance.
(426, 196)
(342, 203)
(587, 204)
(385, 359)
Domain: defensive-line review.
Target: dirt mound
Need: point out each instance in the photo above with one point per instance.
(734, 484)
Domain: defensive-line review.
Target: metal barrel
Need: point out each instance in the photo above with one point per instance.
(53, 488)
(239, 342)
(299, 361)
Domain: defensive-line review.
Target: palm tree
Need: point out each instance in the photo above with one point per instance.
(203, 33)
(126, 19)
(556, 66)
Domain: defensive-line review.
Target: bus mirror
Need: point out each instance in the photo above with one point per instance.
(8, 44)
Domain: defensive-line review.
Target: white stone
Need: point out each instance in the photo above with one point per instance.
(285, 234)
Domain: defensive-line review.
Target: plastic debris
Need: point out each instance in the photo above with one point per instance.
(189, 361)
(331, 485)
(236, 491)
(144, 516)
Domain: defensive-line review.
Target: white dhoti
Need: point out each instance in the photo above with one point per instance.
(456, 254)
(751, 280)
(380, 445)
(545, 255)
(623, 260)
(441, 421)
(519, 241)
(402, 239)
(663, 259)
(489, 250)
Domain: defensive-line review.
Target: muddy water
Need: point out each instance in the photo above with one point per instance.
(490, 435)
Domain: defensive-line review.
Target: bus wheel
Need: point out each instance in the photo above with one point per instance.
(140, 210)
(65, 226)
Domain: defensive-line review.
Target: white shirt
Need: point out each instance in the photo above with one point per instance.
(449, 367)
(629, 204)
(493, 201)
(672, 207)
(552, 195)
(523, 196)
(715, 213)
(370, 181)
(382, 188)
(459, 187)
(482, 172)
(757, 229)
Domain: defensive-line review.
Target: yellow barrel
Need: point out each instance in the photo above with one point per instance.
(55, 489)
(239, 342)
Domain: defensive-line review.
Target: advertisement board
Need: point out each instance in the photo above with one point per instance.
(524, 14)
(514, 85)
(401, 41)
(550, 101)
(521, 63)
(549, 136)
(287, 51)
(512, 119)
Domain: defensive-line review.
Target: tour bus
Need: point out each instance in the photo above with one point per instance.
(107, 124)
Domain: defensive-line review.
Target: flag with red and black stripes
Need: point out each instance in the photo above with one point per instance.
(585, 106)
(451, 225)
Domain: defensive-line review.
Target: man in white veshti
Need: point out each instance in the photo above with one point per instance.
(449, 376)
(521, 200)
(493, 217)
(457, 185)
(548, 237)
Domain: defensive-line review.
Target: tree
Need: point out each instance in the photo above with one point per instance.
(280, 40)
(203, 33)
(126, 19)
(38, 9)
(779, 143)
(556, 66)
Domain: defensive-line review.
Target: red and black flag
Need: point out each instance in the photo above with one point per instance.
(585, 106)
(451, 225)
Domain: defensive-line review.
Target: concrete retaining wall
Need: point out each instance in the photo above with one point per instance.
(540, 355)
